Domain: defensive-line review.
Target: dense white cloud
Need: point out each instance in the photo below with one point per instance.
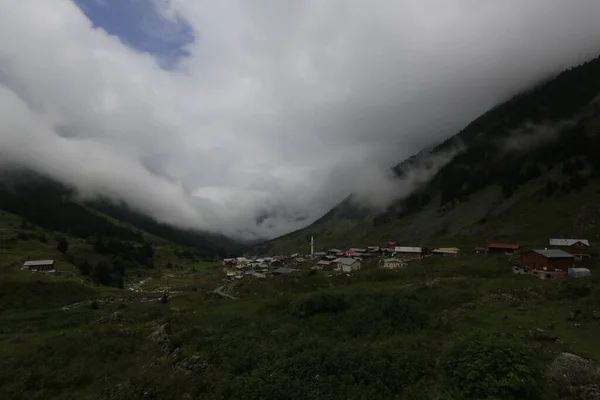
(281, 105)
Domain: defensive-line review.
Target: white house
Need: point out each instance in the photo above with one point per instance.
(347, 264)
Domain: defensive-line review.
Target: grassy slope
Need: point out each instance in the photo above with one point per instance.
(527, 217)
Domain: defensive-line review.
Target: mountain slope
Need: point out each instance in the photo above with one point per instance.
(536, 152)
(51, 205)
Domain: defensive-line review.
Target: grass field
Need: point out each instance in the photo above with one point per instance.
(372, 334)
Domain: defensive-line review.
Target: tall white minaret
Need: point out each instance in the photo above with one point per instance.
(312, 246)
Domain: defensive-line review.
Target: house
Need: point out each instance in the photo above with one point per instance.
(322, 265)
(259, 275)
(577, 247)
(347, 264)
(373, 249)
(579, 272)
(242, 260)
(391, 244)
(334, 251)
(481, 250)
(282, 270)
(408, 253)
(548, 264)
(39, 265)
(349, 252)
(330, 258)
(393, 263)
(295, 255)
(229, 261)
(319, 254)
(354, 249)
(445, 252)
(502, 248)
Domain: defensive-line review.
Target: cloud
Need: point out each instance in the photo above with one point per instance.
(279, 107)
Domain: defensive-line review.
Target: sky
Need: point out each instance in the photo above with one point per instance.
(217, 115)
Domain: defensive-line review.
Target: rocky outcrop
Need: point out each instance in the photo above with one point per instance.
(571, 370)
(162, 336)
(190, 365)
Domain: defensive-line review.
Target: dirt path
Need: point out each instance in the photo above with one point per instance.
(220, 291)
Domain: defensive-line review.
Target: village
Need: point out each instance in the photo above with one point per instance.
(558, 260)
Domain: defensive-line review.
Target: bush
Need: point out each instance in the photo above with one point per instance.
(491, 368)
(84, 267)
(320, 303)
(22, 236)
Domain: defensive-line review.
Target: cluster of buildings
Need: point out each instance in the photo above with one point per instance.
(549, 263)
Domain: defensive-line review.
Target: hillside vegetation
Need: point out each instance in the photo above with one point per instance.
(451, 328)
(526, 170)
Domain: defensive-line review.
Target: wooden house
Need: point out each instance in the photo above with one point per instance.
(578, 247)
(547, 263)
(39, 265)
(408, 253)
(503, 248)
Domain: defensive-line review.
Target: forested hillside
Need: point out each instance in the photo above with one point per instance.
(543, 142)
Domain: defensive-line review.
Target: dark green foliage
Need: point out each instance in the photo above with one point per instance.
(165, 298)
(62, 245)
(22, 236)
(42, 238)
(94, 305)
(321, 303)
(101, 274)
(84, 267)
(485, 367)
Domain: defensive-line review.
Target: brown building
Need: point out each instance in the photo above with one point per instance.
(503, 248)
(405, 253)
(547, 263)
(578, 247)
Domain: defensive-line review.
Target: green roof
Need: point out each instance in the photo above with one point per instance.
(392, 260)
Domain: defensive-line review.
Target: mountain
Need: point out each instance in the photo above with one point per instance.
(524, 170)
(51, 205)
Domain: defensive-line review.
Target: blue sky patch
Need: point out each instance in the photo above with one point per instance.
(140, 26)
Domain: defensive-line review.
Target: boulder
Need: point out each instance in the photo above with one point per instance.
(573, 370)
(590, 392)
(190, 365)
(162, 335)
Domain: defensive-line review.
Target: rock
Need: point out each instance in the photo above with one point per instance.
(574, 315)
(578, 326)
(175, 309)
(541, 335)
(162, 336)
(468, 306)
(190, 365)
(590, 392)
(596, 314)
(114, 317)
(573, 370)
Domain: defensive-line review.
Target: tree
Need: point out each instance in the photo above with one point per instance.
(99, 246)
(164, 299)
(101, 274)
(120, 284)
(84, 267)
(63, 245)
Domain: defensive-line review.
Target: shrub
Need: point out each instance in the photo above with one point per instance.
(491, 368)
(22, 236)
(320, 303)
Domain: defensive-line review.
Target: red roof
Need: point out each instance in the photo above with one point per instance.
(349, 252)
(507, 246)
(391, 243)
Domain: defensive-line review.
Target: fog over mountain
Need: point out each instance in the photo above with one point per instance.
(254, 117)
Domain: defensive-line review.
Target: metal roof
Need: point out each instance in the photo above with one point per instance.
(554, 253)
(323, 262)
(357, 250)
(445, 251)
(393, 260)
(38, 263)
(568, 242)
(403, 249)
(346, 261)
